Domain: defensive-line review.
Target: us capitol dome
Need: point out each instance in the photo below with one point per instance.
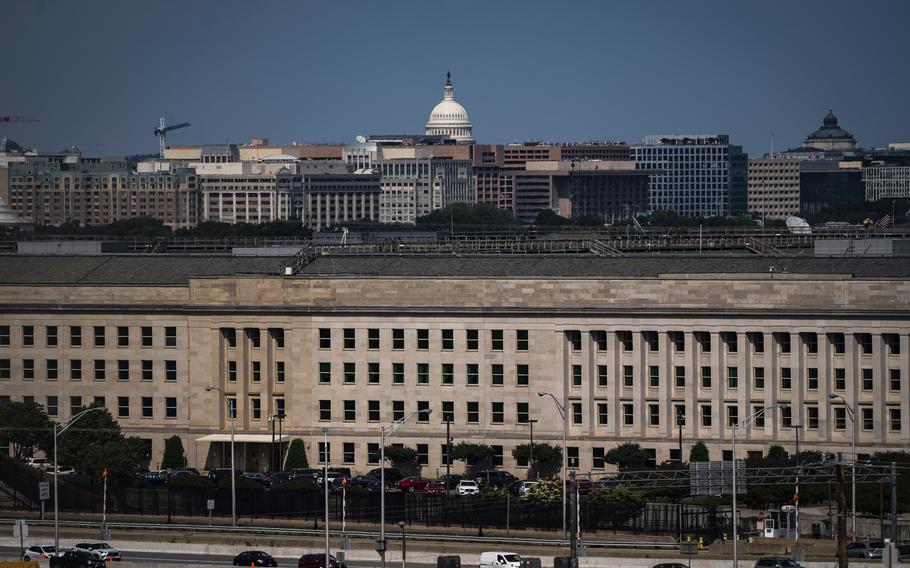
(449, 118)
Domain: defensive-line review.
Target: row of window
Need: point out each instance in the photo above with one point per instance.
(98, 369)
(123, 408)
(471, 339)
(99, 336)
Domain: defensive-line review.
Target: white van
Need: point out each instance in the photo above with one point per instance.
(500, 560)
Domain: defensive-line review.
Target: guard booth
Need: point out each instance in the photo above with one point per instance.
(780, 523)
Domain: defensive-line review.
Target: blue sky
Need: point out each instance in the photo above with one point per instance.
(100, 73)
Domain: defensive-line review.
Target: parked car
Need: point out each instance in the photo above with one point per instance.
(254, 557)
(435, 488)
(525, 486)
(318, 561)
(865, 549)
(308, 473)
(494, 478)
(412, 484)
(903, 552)
(151, 479)
(500, 560)
(335, 479)
(77, 559)
(467, 487)
(585, 486)
(670, 565)
(450, 480)
(256, 476)
(346, 471)
(392, 475)
(102, 549)
(279, 478)
(39, 552)
(40, 463)
(181, 473)
(776, 562)
(219, 473)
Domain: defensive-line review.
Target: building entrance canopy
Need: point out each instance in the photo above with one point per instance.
(239, 438)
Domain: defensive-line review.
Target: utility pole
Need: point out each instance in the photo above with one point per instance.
(842, 561)
(573, 534)
(448, 453)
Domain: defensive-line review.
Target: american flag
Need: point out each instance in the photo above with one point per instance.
(886, 221)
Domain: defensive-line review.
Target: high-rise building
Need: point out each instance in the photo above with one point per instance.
(415, 182)
(774, 187)
(698, 175)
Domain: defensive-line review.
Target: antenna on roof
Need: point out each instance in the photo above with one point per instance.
(772, 145)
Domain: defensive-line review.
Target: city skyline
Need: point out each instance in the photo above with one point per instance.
(315, 73)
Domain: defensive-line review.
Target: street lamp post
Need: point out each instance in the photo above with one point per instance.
(851, 412)
(532, 473)
(736, 427)
(232, 417)
(565, 457)
(404, 550)
(325, 489)
(59, 429)
(381, 545)
(796, 548)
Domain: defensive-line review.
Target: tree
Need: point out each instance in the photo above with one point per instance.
(699, 453)
(468, 216)
(547, 492)
(26, 427)
(94, 444)
(473, 455)
(628, 456)
(296, 456)
(547, 459)
(549, 218)
(616, 505)
(174, 456)
(403, 458)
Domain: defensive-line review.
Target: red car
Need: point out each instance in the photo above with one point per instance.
(435, 488)
(412, 484)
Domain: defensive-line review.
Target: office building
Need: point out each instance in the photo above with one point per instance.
(774, 187)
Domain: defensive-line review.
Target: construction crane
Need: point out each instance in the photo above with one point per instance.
(161, 132)
(31, 118)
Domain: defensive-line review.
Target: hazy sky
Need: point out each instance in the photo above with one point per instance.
(100, 73)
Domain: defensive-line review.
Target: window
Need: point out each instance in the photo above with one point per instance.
(170, 408)
(783, 341)
(277, 335)
(786, 416)
(654, 415)
(625, 337)
(810, 340)
(448, 411)
(759, 374)
(253, 335)
(732, 377)
(706, 415)
(229, 335)
(28, 335)
(840, 379)
(147, 367)
(628, 377)
(732, 415)
(52, 405)
(757, 339)
(653, 376)
(279, 406)
(894, 380)
(704, 341)
(521, 340)
(473, 412)
(679, 412)
(397, 409)
(812, 378)
(576, 413)
(576, 375)
(350, 373)
(325, 372)
(840, 418)
(603, 413)
(868, 419)
(497, 413)
(868, 382)
(146, 336)
(423, 373)
(350, 410)
(373, 373)
(75, 369)
(423, 405)
(600, 340)
(99, 370)
(373, 454)
(865, 343)
(812, 417)
(473, 374)
(628, 415)
(50, 335)
(730, 341)
(325, 452)
(573, 336)
(28, 369)
(894, 419)
(75, 405)
(496, 340)
(373, 338)
(423, 339)
(347, 452)
(786, 378)
(349, 338)
(279, 371)
(170, 337)
(99, 335)
(5, 372)
(148, 407)
(759, 418)
(522, 412)
(75, 336)
(678, 339)
(448, 339)
(651, 339)
(497, 456)
(51, 365)
(893, 343)
(123, 336)
(706, 377)
(602, 375)
(472, 343)
(373, 414)
(398, 339)
(679, 372)
(123, 407)
(325, 338)
(231, 371)
(572, 456)
(325, 410)
(398, 373)
(838, 343)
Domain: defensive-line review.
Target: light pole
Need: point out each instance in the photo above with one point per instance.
(736, 427)
(232, 417)
(59, 429)
(404, 549)
(851, 411)
(325, 488)
(381, 545)
(565, 457)
(532, 473)
(796, 549)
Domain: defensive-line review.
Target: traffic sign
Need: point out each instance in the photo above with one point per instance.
(44, 490)
(20, 529)
(210, 504)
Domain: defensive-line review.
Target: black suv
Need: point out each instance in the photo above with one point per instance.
(494, 478)
(77, 559)
(318, 561)
(392, 475)
(219, 473)
(776, 562)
